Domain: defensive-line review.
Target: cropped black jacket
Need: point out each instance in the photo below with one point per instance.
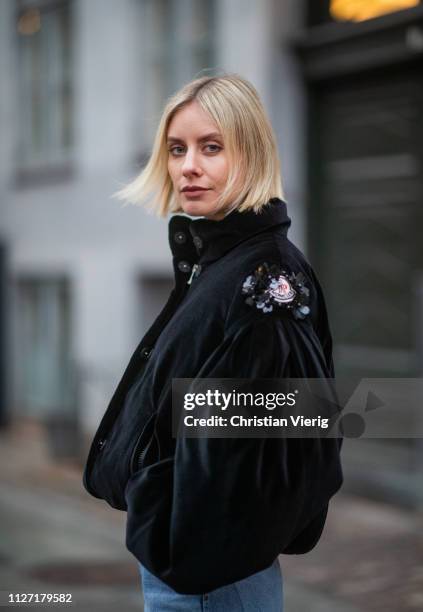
(202, 513)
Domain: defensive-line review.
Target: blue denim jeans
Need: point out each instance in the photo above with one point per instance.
(261, 592)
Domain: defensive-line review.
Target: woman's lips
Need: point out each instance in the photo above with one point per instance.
(194, 192)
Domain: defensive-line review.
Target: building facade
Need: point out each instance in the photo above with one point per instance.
(83, 85)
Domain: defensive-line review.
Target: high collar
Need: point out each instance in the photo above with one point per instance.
(204, 240)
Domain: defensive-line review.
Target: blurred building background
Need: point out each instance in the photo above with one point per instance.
(83, 83)
(83, 87)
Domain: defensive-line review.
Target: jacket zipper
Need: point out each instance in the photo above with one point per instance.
(196, 269)
(139, 454)
(141, 458)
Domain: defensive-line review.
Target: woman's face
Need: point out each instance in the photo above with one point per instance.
(197, 158)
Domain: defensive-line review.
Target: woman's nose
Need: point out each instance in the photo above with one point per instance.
(191, 163)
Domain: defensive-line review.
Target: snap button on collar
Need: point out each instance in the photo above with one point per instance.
(145, 352)
(198, 242)
(101, 443)
(184, 266)
(180, 237)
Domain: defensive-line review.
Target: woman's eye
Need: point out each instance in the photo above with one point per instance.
(216, 147)
(174, 150)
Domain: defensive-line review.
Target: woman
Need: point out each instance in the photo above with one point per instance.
(208, 517)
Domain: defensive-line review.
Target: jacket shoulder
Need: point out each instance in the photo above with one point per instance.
(288, 264)
(260, 264)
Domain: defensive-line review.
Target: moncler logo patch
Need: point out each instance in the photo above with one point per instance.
(281, 290)
(271, 286)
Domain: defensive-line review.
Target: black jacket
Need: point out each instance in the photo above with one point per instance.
(202, 513)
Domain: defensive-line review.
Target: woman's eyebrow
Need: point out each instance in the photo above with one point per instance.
(205, 137)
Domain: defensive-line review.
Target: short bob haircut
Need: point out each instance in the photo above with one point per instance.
(234, 105)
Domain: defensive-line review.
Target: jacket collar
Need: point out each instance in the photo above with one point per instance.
(203, 240)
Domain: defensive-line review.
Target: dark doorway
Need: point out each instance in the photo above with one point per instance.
(367, 131)
(366, 227)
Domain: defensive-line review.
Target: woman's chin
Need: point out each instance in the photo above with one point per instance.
(197, 208)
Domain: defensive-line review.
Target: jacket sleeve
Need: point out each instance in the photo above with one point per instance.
(219, 510)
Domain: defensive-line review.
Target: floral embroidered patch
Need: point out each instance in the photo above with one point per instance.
(271, 286)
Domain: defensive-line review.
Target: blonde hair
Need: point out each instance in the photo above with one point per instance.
(234, 105)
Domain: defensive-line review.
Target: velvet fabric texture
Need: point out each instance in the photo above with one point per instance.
(204, 513)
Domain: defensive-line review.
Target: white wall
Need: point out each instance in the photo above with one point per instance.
(289, 113)
(253, 40)
(7, 104)
(245, 29)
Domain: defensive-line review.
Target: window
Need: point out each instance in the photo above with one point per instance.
(44, 375)
(43, 31)
(154, 291)
(177, 46)
(354, 10)
(360, 10)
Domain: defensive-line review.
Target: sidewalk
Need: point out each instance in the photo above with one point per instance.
(56, 538)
